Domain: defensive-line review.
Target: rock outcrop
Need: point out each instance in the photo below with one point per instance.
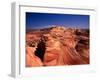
(57, 46)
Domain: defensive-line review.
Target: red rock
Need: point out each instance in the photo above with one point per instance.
(58, 46)
(31, 59)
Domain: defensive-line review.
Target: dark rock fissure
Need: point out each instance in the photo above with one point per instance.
(40, 50)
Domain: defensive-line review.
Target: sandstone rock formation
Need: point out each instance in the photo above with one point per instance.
(57, 46)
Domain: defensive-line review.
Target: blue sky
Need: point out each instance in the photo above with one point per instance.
(42, 20)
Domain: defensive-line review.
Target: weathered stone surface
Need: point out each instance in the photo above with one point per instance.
(31, 59)
(58, 46)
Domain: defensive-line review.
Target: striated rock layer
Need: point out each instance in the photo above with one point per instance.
(57, 46)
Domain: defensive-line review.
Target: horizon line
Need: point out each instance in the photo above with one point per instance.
(56, 26)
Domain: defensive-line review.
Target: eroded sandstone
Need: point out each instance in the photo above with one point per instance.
(57, 46)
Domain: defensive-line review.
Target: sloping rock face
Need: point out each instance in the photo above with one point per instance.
(60, 46)
(31, 58)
